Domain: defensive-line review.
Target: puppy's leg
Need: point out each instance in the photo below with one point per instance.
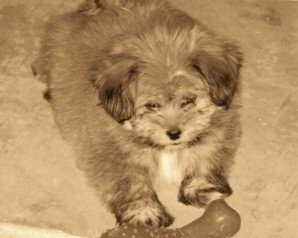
(200, 191)
(136, 202)
(121, 183)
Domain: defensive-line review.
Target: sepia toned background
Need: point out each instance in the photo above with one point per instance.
(39, 183)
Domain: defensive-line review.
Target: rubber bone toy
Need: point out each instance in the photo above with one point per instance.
(218, 221)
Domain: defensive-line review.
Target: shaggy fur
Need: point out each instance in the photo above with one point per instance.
(137, 87)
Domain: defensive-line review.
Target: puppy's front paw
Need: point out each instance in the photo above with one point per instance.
(142, 212)
(198, 192)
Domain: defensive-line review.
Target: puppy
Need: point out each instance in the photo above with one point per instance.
(141, 89)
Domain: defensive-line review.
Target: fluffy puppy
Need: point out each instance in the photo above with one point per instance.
(141, 89)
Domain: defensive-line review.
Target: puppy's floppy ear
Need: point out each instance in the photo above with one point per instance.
(220, 69)
(115, 81)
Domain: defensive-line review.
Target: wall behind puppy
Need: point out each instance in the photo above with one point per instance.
(39, 183)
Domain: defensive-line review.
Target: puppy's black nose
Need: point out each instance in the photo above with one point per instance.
(174, 134)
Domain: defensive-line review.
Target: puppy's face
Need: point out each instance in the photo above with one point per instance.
(171, 111)
(165, 86)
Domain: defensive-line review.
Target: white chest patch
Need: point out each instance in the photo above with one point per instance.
(169, 168)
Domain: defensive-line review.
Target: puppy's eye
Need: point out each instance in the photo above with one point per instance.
(188, 101)
(152, 105)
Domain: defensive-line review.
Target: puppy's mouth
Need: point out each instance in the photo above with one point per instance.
(173, 145)
(196, 140)
(177, 143)
(151, 143)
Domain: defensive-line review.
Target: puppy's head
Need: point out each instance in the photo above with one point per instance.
(166, 82)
